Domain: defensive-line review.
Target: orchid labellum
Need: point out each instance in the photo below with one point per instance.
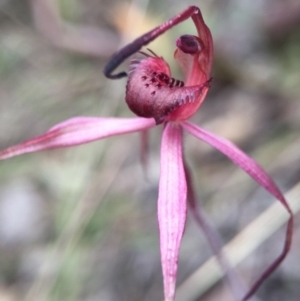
(157, 98)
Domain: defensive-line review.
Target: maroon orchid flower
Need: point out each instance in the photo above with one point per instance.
(156, 97)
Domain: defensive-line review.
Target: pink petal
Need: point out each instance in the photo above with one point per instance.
(77, 131)
(259, 175)
(171, 205)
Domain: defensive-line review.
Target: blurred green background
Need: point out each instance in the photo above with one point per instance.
(80, 223)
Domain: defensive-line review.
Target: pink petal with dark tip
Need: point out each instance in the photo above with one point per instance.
(77, 131)
(252, 168)
(172, 205)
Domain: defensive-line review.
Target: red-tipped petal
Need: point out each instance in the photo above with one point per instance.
(171, 205)
(259, 175)
(77, 131)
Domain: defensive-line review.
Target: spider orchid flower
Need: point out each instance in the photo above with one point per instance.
(157, 98)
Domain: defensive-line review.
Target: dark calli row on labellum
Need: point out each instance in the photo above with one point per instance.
(157, 98)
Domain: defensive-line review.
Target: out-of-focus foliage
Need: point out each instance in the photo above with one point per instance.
(80, 223)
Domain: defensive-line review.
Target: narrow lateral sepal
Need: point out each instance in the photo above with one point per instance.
(256, 172)
(172, 205)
